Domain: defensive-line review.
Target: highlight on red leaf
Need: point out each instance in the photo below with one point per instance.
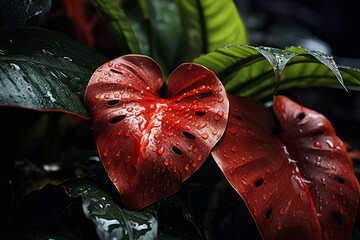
(150, 145)
(297, 183)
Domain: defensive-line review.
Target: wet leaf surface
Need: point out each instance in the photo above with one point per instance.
(150, 145)
(44, 70)
(261, 71)
(296, 179)
(110, 220)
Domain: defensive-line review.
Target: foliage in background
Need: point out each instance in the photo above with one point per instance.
(48, 71)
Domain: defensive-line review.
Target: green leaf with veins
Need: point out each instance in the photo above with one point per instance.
(44, 70)
(261, 71)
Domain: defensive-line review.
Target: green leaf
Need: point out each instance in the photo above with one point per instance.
(137, 16)
(44, 70)
(210, 24)
(261, 71)
(111, 221)
(119, 25)
(20, 12)
(166, 32)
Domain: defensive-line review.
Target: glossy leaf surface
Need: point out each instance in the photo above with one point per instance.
(110, 220)
(150, 145)
(259, 71)
(299, 183)
(44, 70)
(210, 24)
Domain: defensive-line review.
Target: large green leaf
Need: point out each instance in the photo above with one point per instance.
(111, 221)
(259, 71)
(119, 25)
(210, 24)
(44, 70)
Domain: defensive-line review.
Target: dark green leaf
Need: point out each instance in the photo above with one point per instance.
(136, 14)
(119, 25)
(111, 221)
(210, 24)
(259, 71)
(44, 70)
(20, 12)
(166, 31)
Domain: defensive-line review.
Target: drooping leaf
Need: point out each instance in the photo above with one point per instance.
(150, 145)
(44, 70)
(210, 24)
(259, 71)
(118, 24)
(24, 13)
(299, 183)
(111, 221)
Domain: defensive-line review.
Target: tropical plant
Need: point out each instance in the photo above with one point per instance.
(186, 93)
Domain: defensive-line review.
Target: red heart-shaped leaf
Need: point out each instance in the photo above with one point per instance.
(298, 184)
(150, 145)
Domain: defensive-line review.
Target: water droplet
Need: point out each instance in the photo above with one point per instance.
(265, 196)
(317, 145)
(232, 130)
(330, 143)
(166, 162)
(301, 196)
(106, 153)
(67, 58)
(161, 150)
(128, 134)
(282, 211)
(129, 109)
(189, 67)
(111, 63)
(323, 181)
(220, 99)
(97, 96)
(234, 149)
(215, 132)
(218, 115)
(107, 96)
(201, 126)
(289, 203)
(278, 227)
(186, 168)
(205, 136)
(244, 182)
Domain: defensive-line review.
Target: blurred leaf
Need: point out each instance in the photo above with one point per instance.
(210, 24)
(44, 70)
(119, 25)
(259, 71)
(137, 16)
(166, 32)
(111, 221)
(20, 12)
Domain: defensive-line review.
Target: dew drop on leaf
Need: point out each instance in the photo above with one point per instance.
(317, 145)
(205, 136)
